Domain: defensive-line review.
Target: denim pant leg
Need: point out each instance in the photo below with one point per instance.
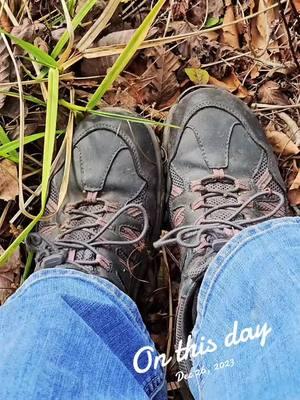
(65, 335)
(249, 306)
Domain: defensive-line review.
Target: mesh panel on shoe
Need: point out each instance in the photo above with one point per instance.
(273, 185)
(140, 198)
(262, 168)
(218, 200)
(176, 179)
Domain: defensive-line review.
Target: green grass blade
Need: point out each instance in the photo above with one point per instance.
(4, 139)
(8, 148)
(124, 58)
(51, 120)
(50, 131)
(28, 265)
(30, 98)
(21, 238)
(39, 55)
(122, 117)
(85, 9)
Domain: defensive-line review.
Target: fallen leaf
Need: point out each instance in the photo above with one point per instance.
(281, 143)
(41, 44)
(197, 75)
(100, 65)
(294, 197)
(297, 4)
(216, 8)
(261, 26)
(271, 93)
(230, 35)
(197, 13)
(180, 8)
(9, 276)
(28, 31)
(8, 180)
(230, 83)
(161, 75)
(296, 182)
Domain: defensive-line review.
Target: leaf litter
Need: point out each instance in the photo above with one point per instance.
(231, 44)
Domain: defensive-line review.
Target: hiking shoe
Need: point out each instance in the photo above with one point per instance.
(112, 210)
(223, 177)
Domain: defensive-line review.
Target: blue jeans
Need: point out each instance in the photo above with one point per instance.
(67, 335)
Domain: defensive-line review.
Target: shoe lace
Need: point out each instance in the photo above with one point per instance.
(213, 233)
(87, 217)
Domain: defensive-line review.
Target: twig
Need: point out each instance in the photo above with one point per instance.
(269, 107)
(282, 13)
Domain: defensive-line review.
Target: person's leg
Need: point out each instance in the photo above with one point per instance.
(68, 335)
(223, 177)
(71, 331)
(249, 306)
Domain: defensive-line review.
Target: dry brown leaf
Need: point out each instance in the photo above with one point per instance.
(9, 276)
(28, 31)
(296, 182)
(216, 8)
(187, 47)
(294, 197)
(281, 143)
(230, 35)
(8, 180)
(5, 21)
(180, 8)
(261, 27)
(121, 98)
(161, 74)
(41, 44)
(270, 93)
(99, 66)
(232, 84)
(197, 13)
(297, 4)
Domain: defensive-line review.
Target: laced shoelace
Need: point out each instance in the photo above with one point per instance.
(77, 214)
(195, 236)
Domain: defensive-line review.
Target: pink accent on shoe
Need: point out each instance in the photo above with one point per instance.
(131, 234)
(134, 212)
(219, 173)
(91, 197)
(176, 191)
(197, 186)
(101, 222)
(198, 204)
(103, 262)
(71, 256)
(178, 217)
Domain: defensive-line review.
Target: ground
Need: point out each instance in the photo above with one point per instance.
(251, 48)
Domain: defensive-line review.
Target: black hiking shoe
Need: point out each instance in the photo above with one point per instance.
(223, 177)
(112, 210)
